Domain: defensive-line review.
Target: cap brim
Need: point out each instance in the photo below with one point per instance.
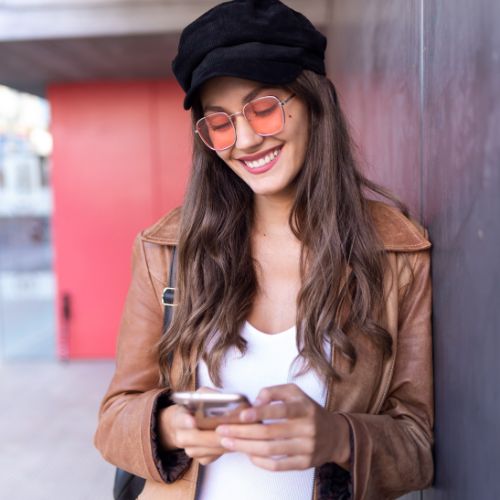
(264, 71)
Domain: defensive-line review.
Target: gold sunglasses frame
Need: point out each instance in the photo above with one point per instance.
(242, 113)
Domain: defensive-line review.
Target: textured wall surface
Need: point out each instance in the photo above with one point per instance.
(461, 173)
(420, 84)
(374, 62)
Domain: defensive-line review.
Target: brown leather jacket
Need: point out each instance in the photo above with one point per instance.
(388, 403)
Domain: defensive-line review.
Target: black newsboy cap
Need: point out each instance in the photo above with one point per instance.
(261, 40)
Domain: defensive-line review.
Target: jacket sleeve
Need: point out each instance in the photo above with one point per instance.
(391, 452)
(127, 433)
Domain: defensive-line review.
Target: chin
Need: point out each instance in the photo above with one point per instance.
(272, 183)
(272, 190)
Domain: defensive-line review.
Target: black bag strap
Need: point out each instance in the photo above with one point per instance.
(127, 486)
(169, 291)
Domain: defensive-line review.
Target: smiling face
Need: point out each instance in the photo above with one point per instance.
(268, 164)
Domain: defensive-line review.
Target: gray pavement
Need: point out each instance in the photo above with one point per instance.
(48, 415)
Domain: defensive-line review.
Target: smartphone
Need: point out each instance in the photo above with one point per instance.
(211, 409)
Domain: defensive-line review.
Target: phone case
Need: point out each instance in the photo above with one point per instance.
(211, 409)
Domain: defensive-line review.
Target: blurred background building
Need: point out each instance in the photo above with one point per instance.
(95, 145)
(26, 271)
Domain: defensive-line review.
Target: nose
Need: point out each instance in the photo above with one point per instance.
(246, 138)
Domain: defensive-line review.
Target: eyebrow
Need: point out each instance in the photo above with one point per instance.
(251, 95)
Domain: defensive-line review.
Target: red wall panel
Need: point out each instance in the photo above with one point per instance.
(121, 158)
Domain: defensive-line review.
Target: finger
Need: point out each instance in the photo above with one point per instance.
(208, 459)
(207, 389)
(182, 419)
(283, 392)
(289, 447)
(261, 432)
(298, 462)
(202, 452)
(277, 411)
(194, 438)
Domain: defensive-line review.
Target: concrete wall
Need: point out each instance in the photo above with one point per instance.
(55, 41)
(420, 82)
(53, 19)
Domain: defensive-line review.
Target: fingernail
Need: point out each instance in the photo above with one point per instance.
(258, 402)
(247, 415)
(227, 443)
(188, 422)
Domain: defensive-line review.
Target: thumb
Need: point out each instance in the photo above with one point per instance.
(207, 389)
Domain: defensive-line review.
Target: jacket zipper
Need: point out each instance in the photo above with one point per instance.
(197, 484)
(315, 477)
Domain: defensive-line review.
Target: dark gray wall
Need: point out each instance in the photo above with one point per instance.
(374, 62)
(420, 83)
(461, 172)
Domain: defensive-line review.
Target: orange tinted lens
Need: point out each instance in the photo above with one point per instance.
(217, 130)
(265, 115)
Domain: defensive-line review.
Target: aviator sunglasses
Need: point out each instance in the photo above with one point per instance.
(265, 115)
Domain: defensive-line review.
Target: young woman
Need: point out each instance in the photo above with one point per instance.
(293, 288)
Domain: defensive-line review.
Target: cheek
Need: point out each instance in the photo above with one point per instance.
(301, 137)
(299, 129)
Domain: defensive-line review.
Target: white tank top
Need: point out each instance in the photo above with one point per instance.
(269, 360)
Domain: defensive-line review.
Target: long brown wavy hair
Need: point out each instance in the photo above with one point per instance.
(216, 280)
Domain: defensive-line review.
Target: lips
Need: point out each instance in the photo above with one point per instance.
(262, 162)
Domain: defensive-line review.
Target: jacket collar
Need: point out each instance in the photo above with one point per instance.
(397, 232)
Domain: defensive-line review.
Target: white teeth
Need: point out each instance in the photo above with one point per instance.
(263, 161)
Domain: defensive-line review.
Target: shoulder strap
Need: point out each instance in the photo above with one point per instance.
(169, 291)
(128, 486)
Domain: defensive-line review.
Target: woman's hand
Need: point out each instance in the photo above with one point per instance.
(306, 434)
(178, 430)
